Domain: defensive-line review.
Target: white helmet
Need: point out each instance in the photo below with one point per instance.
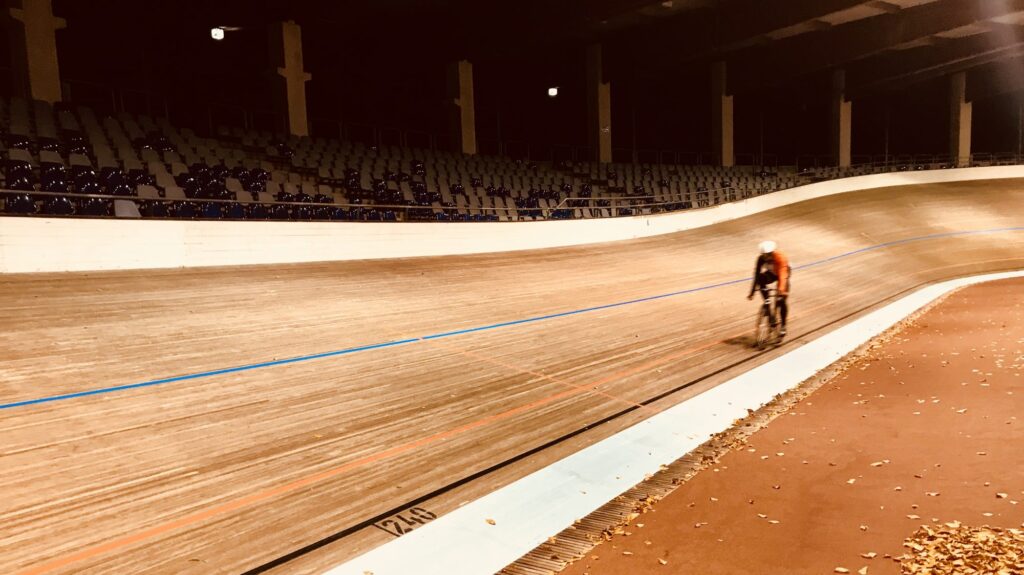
(766, 247)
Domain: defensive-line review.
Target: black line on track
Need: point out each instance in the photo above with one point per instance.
(477, 475)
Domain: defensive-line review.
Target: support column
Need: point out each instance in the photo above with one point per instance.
(959, 120)
(842, 116)
(462, 115)
(599, 107)
(721, 117)
(286, 58)
(32, 32)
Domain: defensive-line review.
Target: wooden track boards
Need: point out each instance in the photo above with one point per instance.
(225, 473)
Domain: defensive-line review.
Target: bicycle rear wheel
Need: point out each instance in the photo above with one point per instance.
(763, 327)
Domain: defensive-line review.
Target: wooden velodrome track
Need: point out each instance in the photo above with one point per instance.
(286, 467)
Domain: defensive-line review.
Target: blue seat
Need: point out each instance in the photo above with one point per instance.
(185, 210)
(55, 185)
(213, 190)
(235, 212)
(110, 176)
(219, 172)
(155, 209)
(211, 211)
(18, 141)
(48, 144)
(142, 180)
(18, 204)
(17, 169)
(58, 206)
(122, 189)
(86, 181)
(23, 183)
(280, 212)
(50, 171)
(258, 212)
(94, 207)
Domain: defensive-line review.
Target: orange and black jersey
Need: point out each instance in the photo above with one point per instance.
(773, 265)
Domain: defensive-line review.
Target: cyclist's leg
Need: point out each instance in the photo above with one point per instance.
(783, 303)
(783, 308)
(768, 278)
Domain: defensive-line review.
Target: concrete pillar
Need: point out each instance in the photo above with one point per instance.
(721, 117)
(32, 32)
(599, 107)
(290, 91)
(959, 120)
(842, 116)
(462, 114)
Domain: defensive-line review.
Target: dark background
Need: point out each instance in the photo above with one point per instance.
(380, 65)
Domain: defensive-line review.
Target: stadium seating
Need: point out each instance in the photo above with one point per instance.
(245, 174)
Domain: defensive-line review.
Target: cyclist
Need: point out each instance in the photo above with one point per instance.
(772, 265)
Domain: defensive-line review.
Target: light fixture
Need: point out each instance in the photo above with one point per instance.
(217, 33)
(553, 91)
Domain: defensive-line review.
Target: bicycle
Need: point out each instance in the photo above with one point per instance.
(768, 328)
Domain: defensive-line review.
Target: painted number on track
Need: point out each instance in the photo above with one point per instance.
(401, 523)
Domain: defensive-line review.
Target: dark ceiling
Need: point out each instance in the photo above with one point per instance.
(382, 62)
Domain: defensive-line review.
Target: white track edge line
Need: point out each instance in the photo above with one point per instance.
(529, 510)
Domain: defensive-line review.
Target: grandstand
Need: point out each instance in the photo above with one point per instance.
(93, 166)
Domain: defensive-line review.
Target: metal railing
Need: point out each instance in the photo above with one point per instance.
(308, 211)
(630, 200)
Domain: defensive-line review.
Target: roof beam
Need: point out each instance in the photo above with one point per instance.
(596, 11)
(898, 67)
(860, 39)
(959, 65)
(730, 25)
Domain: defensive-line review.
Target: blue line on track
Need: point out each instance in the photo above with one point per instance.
(204, 374)
(351, 350)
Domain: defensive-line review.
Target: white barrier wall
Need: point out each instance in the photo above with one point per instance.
(67, 244)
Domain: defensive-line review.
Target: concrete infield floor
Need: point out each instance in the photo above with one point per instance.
(928, 427)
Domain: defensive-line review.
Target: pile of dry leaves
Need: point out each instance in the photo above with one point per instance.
(953, 548)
